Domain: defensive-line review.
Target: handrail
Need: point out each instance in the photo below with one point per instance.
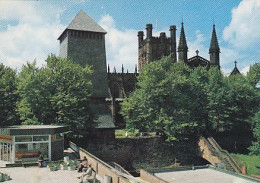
(121, 169)
(225, 153)
(208, 145)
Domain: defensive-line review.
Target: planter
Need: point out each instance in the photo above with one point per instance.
(64, 167)
(53, 168)
(72, 168)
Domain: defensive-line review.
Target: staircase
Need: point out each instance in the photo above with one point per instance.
(218, 155)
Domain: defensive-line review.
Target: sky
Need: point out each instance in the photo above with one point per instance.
(29, 28)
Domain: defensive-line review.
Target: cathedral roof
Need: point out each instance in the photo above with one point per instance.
(235, 70)
(83, 22)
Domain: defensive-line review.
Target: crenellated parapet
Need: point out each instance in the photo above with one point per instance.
(154, 48)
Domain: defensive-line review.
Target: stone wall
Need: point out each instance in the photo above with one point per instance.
(145, 152)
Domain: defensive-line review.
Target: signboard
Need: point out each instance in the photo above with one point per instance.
(6, 138)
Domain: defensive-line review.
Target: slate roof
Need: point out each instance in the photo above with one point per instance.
(83, 22)
(104, 121)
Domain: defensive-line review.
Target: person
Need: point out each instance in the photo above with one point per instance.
(83, 164)
(40, 160)
(86, 175)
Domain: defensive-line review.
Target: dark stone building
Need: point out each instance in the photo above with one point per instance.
(83, 41)
(154, 48)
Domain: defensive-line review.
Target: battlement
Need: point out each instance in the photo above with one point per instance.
(154, 48)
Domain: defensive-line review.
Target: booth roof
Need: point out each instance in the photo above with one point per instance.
(32, 130)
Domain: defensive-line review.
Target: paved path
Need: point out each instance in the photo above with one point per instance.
(40, 175)
(200, 176)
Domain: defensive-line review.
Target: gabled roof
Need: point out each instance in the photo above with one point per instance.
(235, 70)
(198, 59)
(83, 22)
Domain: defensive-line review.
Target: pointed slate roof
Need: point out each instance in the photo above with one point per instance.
(235, 70)
(83, 22)
(214, 41)
(182, 41)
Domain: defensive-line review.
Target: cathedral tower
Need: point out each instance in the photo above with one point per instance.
(83, 41)
(214, 49)
(154, 48)
(183, 48)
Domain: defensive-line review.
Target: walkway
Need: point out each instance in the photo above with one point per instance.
(200, 176)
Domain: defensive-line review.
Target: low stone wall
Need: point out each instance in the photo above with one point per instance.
(146, 176)
(99, 166)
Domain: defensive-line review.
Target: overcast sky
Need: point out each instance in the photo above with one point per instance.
(29, 29)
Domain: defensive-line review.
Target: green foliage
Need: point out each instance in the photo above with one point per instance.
(176, 101)
(253, 76)
(166, 101)
(8, 96)
(255, 121)
(251, 162)
(55, 94)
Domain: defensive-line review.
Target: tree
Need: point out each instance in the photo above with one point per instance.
(8, 97)
(255, 121)
(253, 76)
(166, 101)
(55, 94)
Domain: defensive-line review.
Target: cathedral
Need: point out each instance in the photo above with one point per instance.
(83, 41)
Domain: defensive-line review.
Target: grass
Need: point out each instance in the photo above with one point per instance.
(252, 163)
(122, 134)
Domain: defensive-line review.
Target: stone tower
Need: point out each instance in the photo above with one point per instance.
(83, 41)
(154, 48)
(214, 49)
(182, 47)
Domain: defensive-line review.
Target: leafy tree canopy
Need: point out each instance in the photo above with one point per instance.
(177, 101)
(8, 96)
(55, 94)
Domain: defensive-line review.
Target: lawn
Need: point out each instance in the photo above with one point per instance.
(252, 163)
(122, 134)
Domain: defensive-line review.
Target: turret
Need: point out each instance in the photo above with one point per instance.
(173, 41)
(140, 37)
(149, 30)
(183, 48)
(214, 49)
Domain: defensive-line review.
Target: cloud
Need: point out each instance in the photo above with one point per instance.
(121, 45)
(243, 30)
(198, 44)
(33, 37)
(245, 70)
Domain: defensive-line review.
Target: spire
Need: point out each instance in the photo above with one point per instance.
(182, 47)
(214, 41)
(214, 49)
(235, 70)
(114, 69)
(122, 68)
(108, 68)
(182, 41)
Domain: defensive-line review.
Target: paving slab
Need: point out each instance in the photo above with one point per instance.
(40, 175)
(200, 176)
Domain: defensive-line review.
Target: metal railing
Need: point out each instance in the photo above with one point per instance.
(224, 153)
